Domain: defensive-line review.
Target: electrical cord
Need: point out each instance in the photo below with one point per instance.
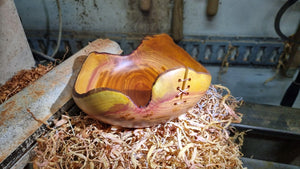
(278, 18)
(51, 58)
(291, 93)
(43, 55)
(59, 29)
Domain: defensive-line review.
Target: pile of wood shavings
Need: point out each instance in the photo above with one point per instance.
(22, 79)
(198, 139)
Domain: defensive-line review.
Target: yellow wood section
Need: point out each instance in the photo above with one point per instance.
(104, 101)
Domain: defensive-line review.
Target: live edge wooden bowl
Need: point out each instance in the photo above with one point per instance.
(155, 83)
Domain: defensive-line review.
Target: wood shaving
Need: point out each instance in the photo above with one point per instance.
(198, 139)
(22, 79)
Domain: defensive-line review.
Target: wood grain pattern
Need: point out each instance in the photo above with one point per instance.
(153, 74)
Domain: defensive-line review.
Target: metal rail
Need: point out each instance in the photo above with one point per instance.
(206, 49)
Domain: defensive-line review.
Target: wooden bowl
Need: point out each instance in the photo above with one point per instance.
(157, 82)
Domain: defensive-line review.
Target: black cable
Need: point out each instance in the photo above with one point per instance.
(291, 93)
(278, 18)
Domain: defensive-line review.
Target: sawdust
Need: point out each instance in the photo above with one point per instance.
(198, 139)
(22, 79)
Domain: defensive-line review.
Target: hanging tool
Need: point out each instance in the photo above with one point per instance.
(212, 7)
(177, 21)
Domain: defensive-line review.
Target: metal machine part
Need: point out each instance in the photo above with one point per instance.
(273, 133)
(248, 51)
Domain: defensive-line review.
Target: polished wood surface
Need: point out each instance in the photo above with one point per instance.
(135, 74)
(153, 74)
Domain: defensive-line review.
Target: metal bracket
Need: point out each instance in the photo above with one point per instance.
(248, 51)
